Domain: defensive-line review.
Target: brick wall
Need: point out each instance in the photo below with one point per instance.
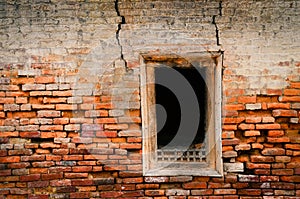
(70, 121)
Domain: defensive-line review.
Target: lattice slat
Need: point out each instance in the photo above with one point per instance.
(177, 155)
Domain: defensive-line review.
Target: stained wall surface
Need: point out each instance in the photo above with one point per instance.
(70, 104)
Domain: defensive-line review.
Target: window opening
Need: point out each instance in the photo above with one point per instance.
(181, 114)
(169, 114)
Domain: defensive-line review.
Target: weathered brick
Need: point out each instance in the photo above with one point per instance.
(284, 113)
(35, 87)
(156, 179)
(273, 151)
(38, 184)
(255, 106)
(156, 192)
(48, 113)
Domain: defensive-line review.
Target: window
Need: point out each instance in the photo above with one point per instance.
(181, 114)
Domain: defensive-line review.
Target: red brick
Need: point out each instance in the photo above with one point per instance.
(105, 120)
(282, 172)
(257, 158)
(293, 146)
(6, 172)
(31, 177)
(7, 100)
(49, 145)
(235, 120)
(106, 134)
(72, 157)
(66, 189)
(67, 93)
(104, 105)
(40, 93)
(116, 126)
(295, 84)
(258, 166)
(82, 182)
(246, 126)
(293, 179)
(278, 140)
(273, 91)
(295, 92)
(9, 159)
(24, 115)
(130, 146)
(42, 106)
(234, 107)
(251, 133)
(53, 100)
(227, 134)
(275, 133)
(289, 99)
(38, 170)
(249, 192)
(194, 185)
(44, 79)
(22, 80)
(267, 126)
(229, 127)
(66, 107)
(132, 180)
(79, 169)
(76, 175)
(60, 121)
(111, 194)
(278, 105)
(52, 176)
(246, 99)
(233, 141)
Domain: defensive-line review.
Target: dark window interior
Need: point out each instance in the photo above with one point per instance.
(169, 120)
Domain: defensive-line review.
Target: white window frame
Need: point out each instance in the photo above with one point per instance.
(151, 167)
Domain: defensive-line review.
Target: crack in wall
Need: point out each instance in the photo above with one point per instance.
(119, 29)
(215, 23)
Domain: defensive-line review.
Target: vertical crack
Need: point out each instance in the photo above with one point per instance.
(215, 23)
(119, 29)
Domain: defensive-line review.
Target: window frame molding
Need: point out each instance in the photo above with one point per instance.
(214, 166)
